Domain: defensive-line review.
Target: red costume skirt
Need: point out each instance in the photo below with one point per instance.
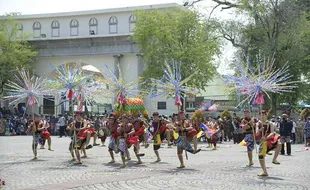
(140, 132)
(132, 140)
(272, 142)
(192, 133)
(45, 135)
(115, 135)
(83, 134)
(163, 129)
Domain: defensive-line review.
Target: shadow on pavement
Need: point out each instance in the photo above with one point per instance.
(270, 178)
(178, 170)
(38, 160)
(158, 162)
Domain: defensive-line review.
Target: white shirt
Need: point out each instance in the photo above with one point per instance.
(62, 121)
(294, 127)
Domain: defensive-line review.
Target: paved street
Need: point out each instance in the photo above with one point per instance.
(221, 169)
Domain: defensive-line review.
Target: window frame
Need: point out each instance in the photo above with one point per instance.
(95, 24)
(114, 23)
(132, 21)
(36, 28)
(54, 27)
(160, 107)
(74, 26)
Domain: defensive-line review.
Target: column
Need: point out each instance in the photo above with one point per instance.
(117, 61)
(140, 63)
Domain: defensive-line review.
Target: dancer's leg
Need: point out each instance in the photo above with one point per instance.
(49, 142)
(180, 156)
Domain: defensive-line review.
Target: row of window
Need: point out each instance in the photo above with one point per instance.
(74, 27)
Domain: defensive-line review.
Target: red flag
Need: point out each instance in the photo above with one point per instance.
(178, 101)
(120, 98)
(31, 101)
(70, 94)
(80, 103)
(259, 100)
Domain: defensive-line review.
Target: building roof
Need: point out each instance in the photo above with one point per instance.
(99, 11)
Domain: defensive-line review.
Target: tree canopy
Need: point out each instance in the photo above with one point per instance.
(278, 28)
(14, 49)
(179, 35)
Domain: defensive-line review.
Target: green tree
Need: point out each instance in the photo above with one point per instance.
(179, 35)
(271, 28)
(14, 50)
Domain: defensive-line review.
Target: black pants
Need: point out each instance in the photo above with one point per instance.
(293, 136)
(62, 131)
(288, 149)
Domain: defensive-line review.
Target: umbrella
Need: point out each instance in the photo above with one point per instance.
(213, 108)
(90, 68)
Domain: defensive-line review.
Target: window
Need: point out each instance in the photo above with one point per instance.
(36, 30)
(161, 105)
(113, 25)
(93, 26)
(132, 23)
(19, 31)
(55, 28)
(74, 27)
(191, 105)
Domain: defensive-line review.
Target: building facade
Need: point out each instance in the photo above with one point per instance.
(98, 38)
(214, 93)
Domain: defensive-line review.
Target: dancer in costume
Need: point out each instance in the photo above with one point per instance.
(138, 137)
(186, 134)
(270, 140)
(45, 135)
(112, 126)
(90, 132)
(132, 138)
(103, 131)
(211, 123)
(78, 140)
(37, 127)
(140, 127)
(249, 128)
(125, 130)
(214, 136)
(156, 123)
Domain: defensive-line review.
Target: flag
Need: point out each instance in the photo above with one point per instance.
(31, 101)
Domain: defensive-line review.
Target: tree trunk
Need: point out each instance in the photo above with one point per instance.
(274, 103)
(86, 110)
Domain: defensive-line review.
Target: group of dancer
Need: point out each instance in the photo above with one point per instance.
(264, 134)
(128, 131)
(125, 132)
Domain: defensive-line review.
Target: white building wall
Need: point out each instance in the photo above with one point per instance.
(129, 62)
(42, 64)
(83, 27)
(83, 17)
(129, 68)
(216, 90)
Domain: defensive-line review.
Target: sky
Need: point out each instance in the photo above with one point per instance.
(54, 6)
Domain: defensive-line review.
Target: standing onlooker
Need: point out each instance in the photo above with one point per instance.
(278, 124)
(285, 131)
(307, 132)
(53, 121)
(293, 135)
(300, 131)
(62, 125)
